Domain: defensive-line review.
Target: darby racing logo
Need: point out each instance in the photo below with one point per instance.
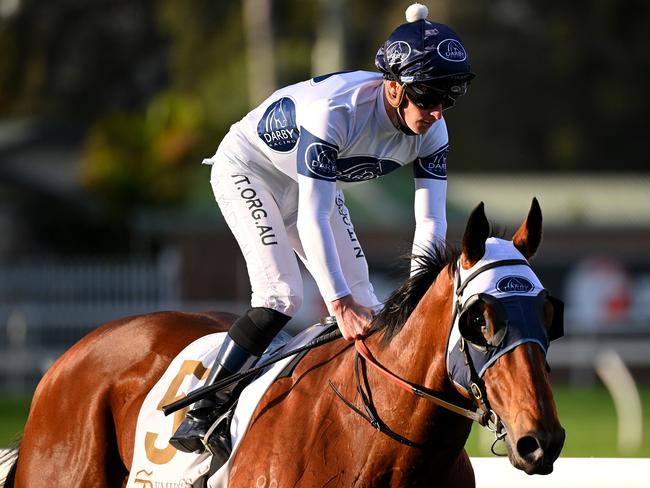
(363, 168)
(514, 284)
(452, 50)
(398, 52)
(277, 127)
(434, 165)
(320, 160)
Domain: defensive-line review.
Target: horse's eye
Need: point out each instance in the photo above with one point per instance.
(478, 320)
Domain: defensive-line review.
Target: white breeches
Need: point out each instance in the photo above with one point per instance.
(260, 205)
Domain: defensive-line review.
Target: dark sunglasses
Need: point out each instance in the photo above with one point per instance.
(428, 96)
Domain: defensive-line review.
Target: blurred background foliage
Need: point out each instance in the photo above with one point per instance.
(154, 84)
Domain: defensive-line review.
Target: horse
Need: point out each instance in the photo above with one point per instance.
(393, 409)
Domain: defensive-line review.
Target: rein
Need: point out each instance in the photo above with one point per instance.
(477, 416)
(483, 415)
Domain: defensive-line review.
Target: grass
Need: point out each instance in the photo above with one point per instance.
(13, 413)
(589, 418)
(588, 415)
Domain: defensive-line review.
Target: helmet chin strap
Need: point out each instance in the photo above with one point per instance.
(399, 106)
(401, 123)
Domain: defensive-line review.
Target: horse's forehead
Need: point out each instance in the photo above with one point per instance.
(501, 280)
(495, 250)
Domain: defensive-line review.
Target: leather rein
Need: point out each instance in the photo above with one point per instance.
(483, 414)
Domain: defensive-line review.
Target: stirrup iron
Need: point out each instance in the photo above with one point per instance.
(224, 417)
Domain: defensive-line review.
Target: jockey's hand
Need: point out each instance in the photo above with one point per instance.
(352, 318)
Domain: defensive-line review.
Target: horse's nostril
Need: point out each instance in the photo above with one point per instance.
(528, 447)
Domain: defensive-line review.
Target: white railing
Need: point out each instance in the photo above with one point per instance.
(47, 306)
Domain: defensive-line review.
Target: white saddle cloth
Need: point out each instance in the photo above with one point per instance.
(155, 462)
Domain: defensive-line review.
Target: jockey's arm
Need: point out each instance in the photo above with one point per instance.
(315, 206)
(430, 216)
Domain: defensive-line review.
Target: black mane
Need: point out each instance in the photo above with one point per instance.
(402, 302)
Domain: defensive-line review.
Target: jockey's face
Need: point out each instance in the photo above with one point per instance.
(403, 111)
(419, 119)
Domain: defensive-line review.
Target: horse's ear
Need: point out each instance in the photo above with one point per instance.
(529, 235)
(476, 232)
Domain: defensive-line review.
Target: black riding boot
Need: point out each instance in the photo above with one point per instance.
(245, 342)
(231, 359)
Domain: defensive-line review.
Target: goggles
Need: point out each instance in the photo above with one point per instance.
(427, 96)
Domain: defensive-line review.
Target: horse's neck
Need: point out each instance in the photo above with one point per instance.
(418, 352)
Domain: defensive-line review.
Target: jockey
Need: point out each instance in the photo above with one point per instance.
(277, 177)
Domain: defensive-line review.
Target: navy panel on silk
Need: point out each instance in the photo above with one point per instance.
(316, 157)
(361, 168)
(433, 166)
(318, 79)
(319, 159)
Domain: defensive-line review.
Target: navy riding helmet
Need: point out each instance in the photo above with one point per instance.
(427, 57)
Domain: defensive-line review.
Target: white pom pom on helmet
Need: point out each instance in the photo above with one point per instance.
(416, 11)
(423, 51)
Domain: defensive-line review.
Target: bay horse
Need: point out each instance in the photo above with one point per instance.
(344, 416)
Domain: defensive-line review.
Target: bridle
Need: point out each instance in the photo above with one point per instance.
(482, 414)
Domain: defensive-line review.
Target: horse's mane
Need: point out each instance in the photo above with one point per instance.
(403, 300)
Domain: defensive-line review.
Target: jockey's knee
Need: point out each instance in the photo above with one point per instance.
(291, 305)
(286, 300)
(255, 330)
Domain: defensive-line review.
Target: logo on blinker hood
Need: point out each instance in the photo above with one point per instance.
(514, 284)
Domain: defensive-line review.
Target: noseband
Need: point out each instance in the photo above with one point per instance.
(483, 414)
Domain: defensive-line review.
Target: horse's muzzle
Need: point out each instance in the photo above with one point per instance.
(535, 452)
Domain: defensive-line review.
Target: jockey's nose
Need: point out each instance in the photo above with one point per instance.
(436, 112)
